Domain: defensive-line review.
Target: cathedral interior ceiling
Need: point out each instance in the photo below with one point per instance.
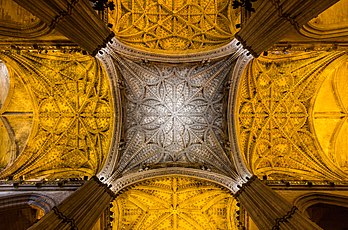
(292, 116)
(172, 26)
(175, 114)
(175, 203)
(68, 100)
(57, 111)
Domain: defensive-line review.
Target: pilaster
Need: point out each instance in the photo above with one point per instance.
(74, 19)
(269, 210)
(80, 210)
(275, 18)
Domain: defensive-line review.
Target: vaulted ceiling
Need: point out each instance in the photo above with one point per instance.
(149, 102)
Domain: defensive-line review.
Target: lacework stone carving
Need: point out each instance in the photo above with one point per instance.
(174, 203)
(72, 116)
(274, 130)
(173, 26)
(175, 114)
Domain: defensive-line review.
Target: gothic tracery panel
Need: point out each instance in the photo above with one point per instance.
(275, 131)
(174, 203)
(174, 114)
(174, 26)
(73, 115)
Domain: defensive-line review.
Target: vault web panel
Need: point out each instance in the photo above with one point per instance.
(174, 26)
(174, 114)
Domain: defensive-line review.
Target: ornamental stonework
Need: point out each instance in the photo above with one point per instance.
(275, 104)
(175, 203)
(175, 114)
(173, 26)
(72, 115)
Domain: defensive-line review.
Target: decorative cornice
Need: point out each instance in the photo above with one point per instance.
(113, 155)
(105, 42)
(242, 188)
(234, 47)
(104, 186)
(234, 80)
(246, 46)
(287, 216)
(119, 184)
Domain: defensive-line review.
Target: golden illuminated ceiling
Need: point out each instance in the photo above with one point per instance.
(327, 26)
(292, 116)
(330, 114)
(174, 26)
(175, 203)
(72, 112)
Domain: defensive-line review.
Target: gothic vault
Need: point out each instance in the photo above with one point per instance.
(166, 114)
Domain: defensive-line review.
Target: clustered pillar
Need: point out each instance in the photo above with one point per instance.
(269, 210)
(80, 210)
(275, 18)
(75, 19)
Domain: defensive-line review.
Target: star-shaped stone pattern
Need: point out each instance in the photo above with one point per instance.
(174, 114)
(174, 203)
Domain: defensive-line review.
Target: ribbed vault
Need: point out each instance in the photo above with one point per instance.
(174, 114)
(68, 99)
(171, 26)
(169, 118)
(291, 116)
(175, 203)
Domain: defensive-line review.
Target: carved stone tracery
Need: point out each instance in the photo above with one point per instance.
(175, 114)
(275, 131)
(174, 203)
(72, 115)
(174, 26)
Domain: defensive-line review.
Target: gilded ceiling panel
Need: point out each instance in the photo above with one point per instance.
(330, 113)
(73, 114)
(175, 114)
(174, 203)
(279, 136)
(173, 26)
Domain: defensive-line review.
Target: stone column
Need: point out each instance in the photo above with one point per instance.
(74, 19)
(269, 210)
(80, 210)
(275, 18)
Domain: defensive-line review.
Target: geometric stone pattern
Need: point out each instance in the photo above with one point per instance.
(174, 114)
(275, 123)
(173, 26)
(174, 203)
(73, 116)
